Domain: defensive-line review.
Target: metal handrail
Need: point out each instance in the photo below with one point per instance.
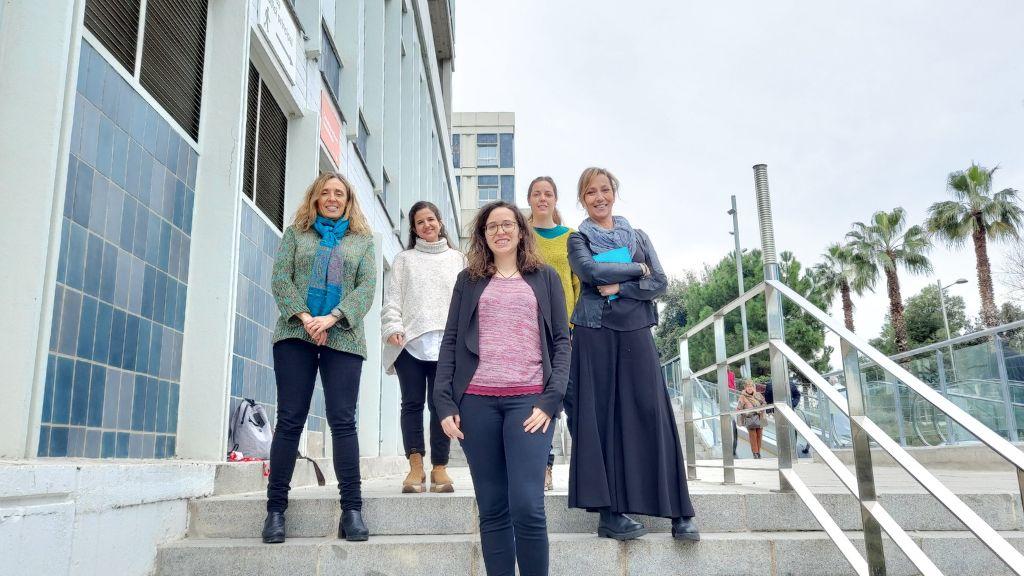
(943, 345)
(997, 443)
(959, 340)
(749, 294)
(875, 518)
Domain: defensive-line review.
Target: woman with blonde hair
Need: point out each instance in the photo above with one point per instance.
(552, 247)
(323, 282)
(501, 376)
(626, 456)
(750, 399)
(412, 324)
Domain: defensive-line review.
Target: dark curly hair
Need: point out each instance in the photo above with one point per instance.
(481, 259)
(443, 233)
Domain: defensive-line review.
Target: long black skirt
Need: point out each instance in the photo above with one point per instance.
(626, 456)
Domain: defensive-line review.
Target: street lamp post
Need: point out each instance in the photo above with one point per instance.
(739, 281)
(945, 319)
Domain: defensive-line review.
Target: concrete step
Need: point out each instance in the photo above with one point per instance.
(243, 477)
(718, 554)
(314, 512)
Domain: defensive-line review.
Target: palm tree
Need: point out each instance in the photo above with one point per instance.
(845, 272)
(977, 213)
(884, 244)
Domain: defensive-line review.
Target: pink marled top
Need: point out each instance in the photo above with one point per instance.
(510, 358)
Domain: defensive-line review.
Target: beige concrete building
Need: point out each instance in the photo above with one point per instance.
(483, 152)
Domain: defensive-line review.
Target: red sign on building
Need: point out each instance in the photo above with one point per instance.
(330, 128)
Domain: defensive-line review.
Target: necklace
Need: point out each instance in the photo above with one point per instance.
(506, 276)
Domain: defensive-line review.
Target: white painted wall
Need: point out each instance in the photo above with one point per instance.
(63, 517)
(38, 48)
(210, 311)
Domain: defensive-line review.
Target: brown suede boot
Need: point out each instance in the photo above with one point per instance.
(549, 481)
(439, 479)
(415, 481)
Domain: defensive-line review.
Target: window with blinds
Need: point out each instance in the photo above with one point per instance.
(330, 65)
(173, 49)
(266, 150)
(115, 23)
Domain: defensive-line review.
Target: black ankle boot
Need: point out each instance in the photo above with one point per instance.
(619, 526)
(352, 527)
(273, 528)
(685, 529)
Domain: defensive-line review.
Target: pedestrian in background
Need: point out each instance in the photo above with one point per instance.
(324, 279)
(412, 323)
(754, 422)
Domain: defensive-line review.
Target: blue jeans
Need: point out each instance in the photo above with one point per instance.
(507, 466)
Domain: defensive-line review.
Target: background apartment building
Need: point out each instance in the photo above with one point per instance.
(154, 152)
(483, 151)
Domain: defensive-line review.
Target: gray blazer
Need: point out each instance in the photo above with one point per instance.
(460, 346)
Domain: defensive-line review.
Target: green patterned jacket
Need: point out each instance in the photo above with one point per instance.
(292, 266)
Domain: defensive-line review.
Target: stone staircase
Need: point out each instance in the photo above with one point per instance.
(747, 529)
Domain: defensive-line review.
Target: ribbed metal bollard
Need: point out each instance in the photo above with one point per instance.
(784, 438)
(764, 217)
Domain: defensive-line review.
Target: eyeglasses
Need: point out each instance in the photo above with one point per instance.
(508, 227)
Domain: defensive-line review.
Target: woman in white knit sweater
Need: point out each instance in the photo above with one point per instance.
(412, 320)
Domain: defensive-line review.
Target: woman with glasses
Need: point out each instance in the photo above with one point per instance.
(501, 375)
(553, 249)
(626, 457)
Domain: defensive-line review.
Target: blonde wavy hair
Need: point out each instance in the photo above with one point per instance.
(588, 176)
(307, 212)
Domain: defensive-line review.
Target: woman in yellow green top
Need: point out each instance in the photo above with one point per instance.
(552, 247)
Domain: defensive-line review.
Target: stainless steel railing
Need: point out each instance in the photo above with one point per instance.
(875, 519)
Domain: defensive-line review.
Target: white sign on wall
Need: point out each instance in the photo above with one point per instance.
(280, 31)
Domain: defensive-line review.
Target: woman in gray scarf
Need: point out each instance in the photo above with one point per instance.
(626, 456)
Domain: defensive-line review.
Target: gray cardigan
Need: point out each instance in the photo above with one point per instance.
(460, 346)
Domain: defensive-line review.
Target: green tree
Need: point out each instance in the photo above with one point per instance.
(673, 317)
(976, 213)
(844, 272)
(715, 287)
(885, 243)
(923, 313)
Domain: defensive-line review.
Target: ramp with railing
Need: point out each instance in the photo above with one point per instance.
(847, 402)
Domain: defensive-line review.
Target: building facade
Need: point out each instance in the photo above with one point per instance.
(483, 152)
(166, 145)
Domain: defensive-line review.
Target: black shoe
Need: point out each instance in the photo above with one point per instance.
(352, 527)
(685, 529)
(273, 528)
(757, 455)
(619, 526)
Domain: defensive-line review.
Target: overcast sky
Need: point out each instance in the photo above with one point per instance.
(854, 107)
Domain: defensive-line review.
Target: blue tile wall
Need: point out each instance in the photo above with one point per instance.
(113, 372)
(256, 313)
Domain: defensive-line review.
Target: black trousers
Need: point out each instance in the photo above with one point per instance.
(507, 466)
(416, 378)
(295, 366)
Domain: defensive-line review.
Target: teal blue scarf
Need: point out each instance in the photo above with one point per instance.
(325, 287)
